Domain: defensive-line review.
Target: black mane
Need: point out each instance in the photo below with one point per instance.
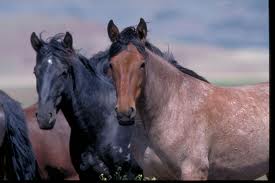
(129, 35)
(21, 162)
(100, 62)
(56, 47)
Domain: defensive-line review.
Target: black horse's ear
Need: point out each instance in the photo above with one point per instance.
(68, 40)
(113, 31)
(36, 42)
(142, 29)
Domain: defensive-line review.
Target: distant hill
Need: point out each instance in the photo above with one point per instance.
(17, 58)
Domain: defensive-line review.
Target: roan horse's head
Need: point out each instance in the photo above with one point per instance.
(51, 72)
(127, 65)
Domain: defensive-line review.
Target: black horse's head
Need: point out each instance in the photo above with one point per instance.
(51, 72)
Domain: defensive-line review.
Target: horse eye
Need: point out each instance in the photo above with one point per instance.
(110, 65)
(142, 65)
(65, 73)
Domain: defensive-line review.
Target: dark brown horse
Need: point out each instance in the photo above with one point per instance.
(51, 148)
(199, 130)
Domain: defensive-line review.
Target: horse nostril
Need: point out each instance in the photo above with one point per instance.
(36, 114)
(51, 114)
(116, 108)
(119, 115)
(130, 111)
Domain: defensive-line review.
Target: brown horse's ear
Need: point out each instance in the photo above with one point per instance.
(142, 29)
(68, 40)
(36, 42)
(113, 31)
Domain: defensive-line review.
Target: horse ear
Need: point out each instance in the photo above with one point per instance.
(68, 40)
(36, 42)
(113, 31)
(142, 29)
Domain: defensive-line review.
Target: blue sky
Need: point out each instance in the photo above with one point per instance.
(223, 23)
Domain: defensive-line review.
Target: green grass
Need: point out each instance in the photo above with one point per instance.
(238, 82)
(119, 176)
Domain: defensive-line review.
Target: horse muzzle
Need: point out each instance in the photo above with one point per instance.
(46, 121)
(126, 118)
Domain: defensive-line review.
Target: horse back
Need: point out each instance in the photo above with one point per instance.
(238, 118)
(241, 103)
(257, 93)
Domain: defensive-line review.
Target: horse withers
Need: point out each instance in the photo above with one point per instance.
(199, 130)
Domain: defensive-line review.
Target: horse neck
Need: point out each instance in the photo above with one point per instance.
(162, 81)
(83, 103)
(71, 99)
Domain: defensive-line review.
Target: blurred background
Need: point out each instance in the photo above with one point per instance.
(225, 41)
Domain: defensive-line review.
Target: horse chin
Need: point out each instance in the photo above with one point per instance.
(126, 123)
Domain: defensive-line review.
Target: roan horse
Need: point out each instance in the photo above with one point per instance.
(17, 160)
(68, 81)
(145, 156)
(199, 130)
(51, 148)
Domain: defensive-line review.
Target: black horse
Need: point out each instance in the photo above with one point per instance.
(17, 160)
(68, 81)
